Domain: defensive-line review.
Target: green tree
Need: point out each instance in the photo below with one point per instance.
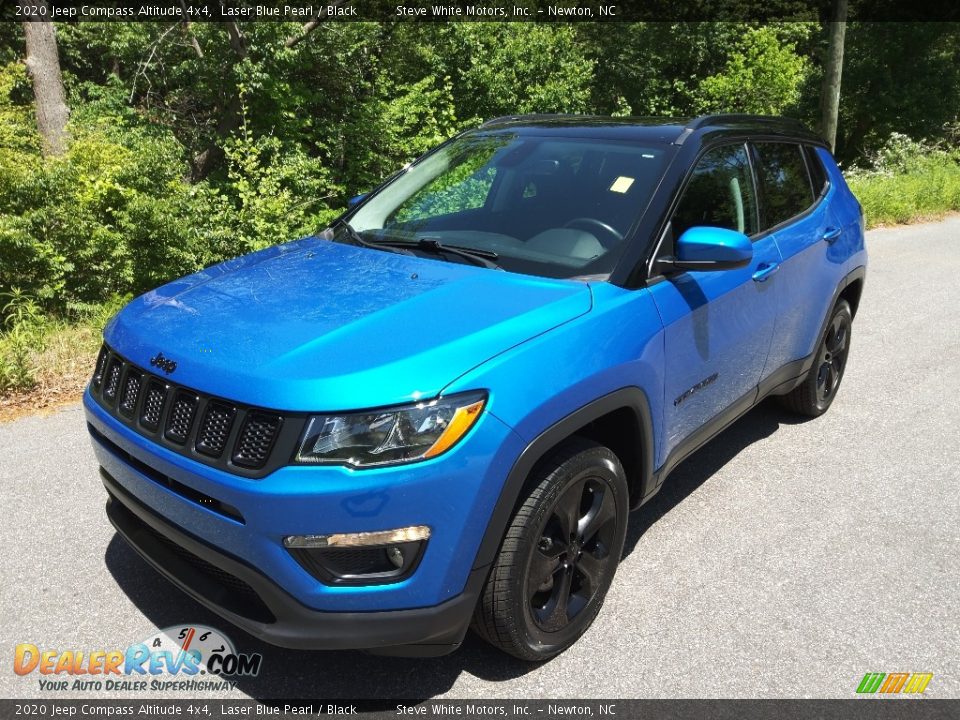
(898, 77)
(763, 74)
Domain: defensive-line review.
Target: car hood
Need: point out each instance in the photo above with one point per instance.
(314, 325)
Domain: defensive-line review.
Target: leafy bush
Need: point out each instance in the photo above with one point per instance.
(35, 346)
(126, 209)
(907, 180)
(274, 194)
(115, 214)
(23, 333)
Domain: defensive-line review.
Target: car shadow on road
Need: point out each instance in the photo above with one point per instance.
(300, 674)
(761, 422)
(353, 675)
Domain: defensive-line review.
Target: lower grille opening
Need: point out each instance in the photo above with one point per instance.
(184, 491)
(358, 561)
(216, 585)
(240, 597)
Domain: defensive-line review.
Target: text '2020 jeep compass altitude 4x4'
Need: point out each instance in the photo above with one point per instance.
(439, 411)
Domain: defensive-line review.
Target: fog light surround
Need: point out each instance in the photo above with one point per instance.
(365, 558)
(360, 539)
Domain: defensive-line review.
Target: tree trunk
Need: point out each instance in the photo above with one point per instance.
(211, 157)
(195, 44)
(832, 70)
(43, 66)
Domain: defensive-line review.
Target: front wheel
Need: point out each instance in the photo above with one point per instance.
(815, 394)
(559, 555)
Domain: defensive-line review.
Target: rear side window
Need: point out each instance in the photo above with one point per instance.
(720, 193)
(784, 183)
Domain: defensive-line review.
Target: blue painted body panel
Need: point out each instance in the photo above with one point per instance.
(717, 244)
(716, 323)
(321, 326)
(315, 326)
(618, 344)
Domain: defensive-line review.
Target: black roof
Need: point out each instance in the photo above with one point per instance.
(651, 129)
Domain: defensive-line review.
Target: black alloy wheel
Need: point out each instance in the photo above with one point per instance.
(559, 554)
(832, 358)
(573, 555)
(814, 395)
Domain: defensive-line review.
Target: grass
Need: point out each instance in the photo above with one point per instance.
(58, 372)
(45, 362)
(927, 188)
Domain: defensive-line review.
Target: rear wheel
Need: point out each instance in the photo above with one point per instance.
(559, 555)
(815, 394)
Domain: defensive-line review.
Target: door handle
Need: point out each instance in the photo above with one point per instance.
(831, 235)
(765, 271)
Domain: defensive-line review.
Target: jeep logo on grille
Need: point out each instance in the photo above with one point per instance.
(162, 363)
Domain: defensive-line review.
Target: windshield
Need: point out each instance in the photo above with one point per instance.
(550, 206)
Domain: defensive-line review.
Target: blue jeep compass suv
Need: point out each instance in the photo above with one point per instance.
(437, 413)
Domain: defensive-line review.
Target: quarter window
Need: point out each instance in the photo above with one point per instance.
(784, 183)
(818, 176)
(720, 193)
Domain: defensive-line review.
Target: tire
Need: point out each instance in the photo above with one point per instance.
(815, 394)
(549, 581)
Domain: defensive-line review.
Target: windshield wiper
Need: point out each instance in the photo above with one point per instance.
(355, 237)
(483, 258)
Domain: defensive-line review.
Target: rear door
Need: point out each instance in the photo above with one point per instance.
(717, 325)
(794, 208)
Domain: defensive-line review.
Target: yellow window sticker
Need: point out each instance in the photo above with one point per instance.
(621, 184)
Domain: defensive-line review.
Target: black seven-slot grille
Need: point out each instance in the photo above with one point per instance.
(244, 440)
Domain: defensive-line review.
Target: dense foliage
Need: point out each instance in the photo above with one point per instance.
(189, 144)
(905, 180)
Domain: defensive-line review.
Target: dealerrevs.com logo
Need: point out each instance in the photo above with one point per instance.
(177, 658)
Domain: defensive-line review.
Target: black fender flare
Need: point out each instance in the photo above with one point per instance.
(858, 273)
(632, 398)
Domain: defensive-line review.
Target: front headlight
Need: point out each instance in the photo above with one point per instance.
(390, 435)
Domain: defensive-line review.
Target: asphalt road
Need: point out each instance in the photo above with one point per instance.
(785, 559)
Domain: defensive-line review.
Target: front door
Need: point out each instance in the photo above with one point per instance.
(718, 325)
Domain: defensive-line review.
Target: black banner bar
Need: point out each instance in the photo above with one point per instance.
(484, 10)
(872, 708)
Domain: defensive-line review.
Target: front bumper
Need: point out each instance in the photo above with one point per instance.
(249, 600)
(239, 568)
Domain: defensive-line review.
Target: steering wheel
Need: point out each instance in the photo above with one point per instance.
(587, 223)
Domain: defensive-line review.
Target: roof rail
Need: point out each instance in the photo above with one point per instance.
(530, 116)
(742, 117)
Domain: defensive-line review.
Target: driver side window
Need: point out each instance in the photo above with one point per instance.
(720, 193)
